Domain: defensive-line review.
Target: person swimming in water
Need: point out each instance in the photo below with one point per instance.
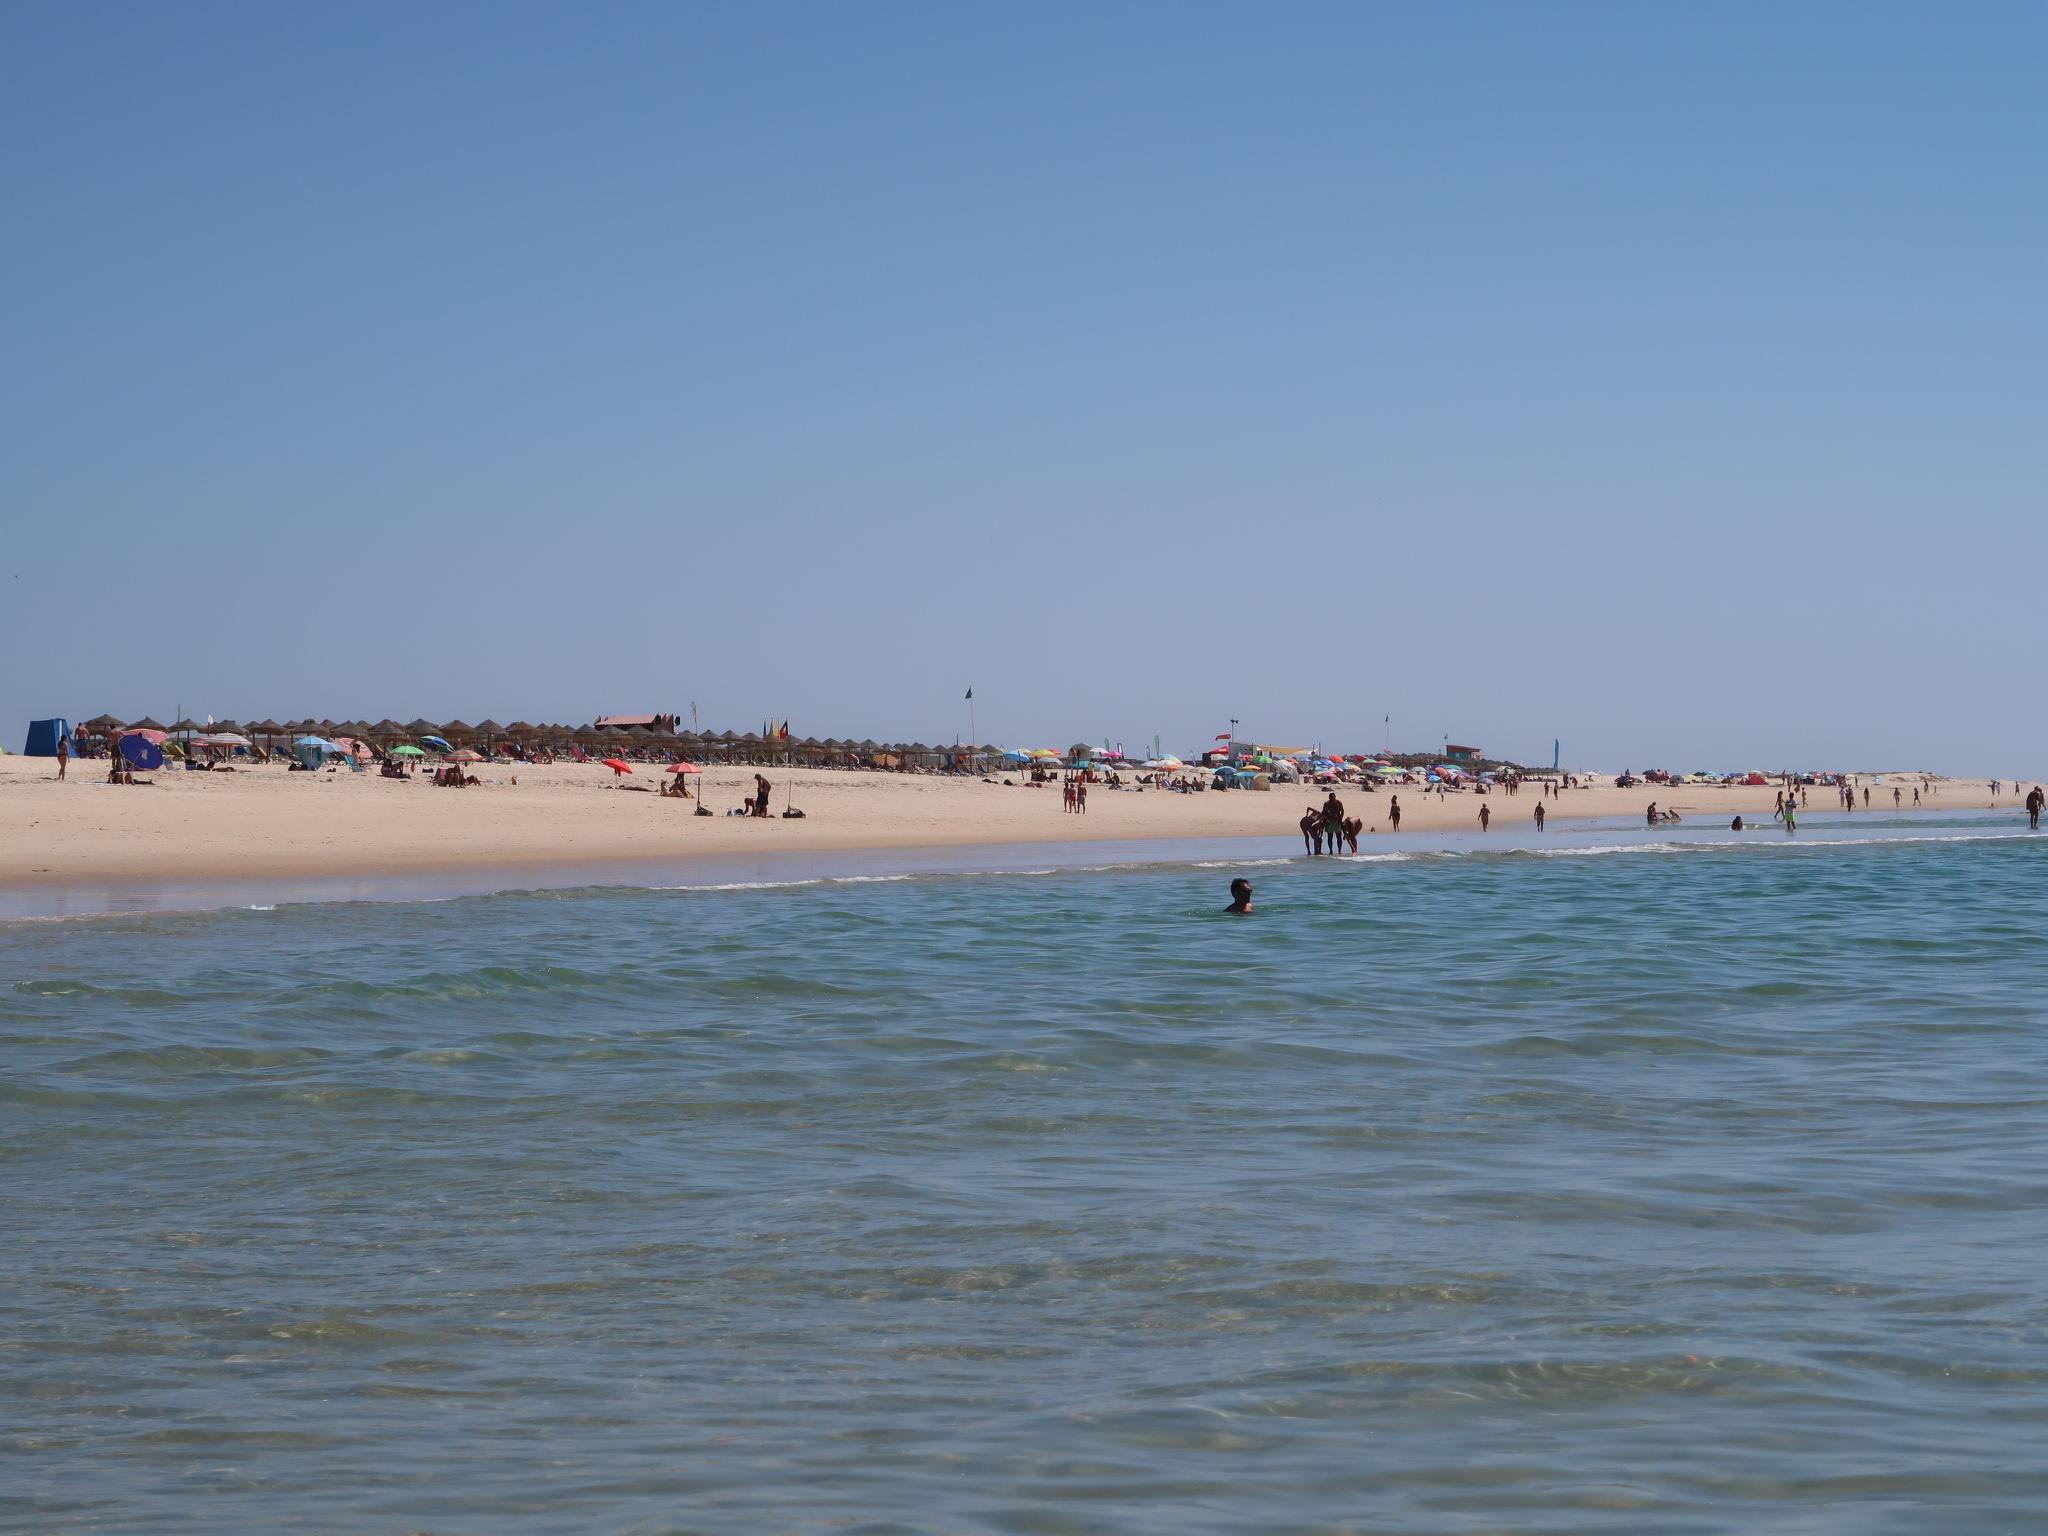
(1240, 896)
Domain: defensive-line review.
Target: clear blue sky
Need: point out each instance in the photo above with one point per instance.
(1664, 378)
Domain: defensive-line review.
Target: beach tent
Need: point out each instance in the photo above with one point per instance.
(43, 736)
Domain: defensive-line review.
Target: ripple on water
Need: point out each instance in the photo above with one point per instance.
(1563, 1190)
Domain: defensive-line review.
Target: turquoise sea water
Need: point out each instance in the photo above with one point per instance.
(1691, 1187)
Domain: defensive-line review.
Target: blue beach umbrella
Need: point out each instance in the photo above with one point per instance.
(436, 743)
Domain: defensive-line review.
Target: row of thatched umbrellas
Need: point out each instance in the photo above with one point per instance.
(488, 733)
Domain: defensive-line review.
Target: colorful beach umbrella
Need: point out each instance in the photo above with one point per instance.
(685, 768)
(407, 751)
(465, 756)
(617, 766)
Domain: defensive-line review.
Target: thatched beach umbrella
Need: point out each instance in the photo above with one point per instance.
(147, 723)
(104, 723)
(422, 728)
(187, 725)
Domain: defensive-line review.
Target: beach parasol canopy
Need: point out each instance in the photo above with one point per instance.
(407, 751)
(188, 725)
(466, 756)
(104, 723)
(685, 768)
(436, 743)
(422, 728)
(146, 723)
(455, 728)
(617, 767)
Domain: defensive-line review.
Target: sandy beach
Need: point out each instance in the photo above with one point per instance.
(264, 822)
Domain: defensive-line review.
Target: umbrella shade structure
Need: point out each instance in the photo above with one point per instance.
(421, 728)
(188, 725)
(221, 739)
(104, 723)
(141, 752)
(685, 768)
(436, 743)
(466, 756)
(146, 723)
(407, 751)
(146, 733)
(617, 766)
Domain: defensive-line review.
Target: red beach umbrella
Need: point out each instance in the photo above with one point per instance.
(686, 768)
(618, 767)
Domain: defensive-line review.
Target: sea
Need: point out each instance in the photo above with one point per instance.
(1616, 1181)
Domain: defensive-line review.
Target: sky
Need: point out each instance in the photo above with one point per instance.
(1666, 381)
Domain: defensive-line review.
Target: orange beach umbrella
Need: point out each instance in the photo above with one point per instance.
(616, 766)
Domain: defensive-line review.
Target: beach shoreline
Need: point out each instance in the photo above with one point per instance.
(85, 843)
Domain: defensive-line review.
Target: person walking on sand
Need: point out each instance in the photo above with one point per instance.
(1485, 817)
(1916, 797)
(1081, 796)
(1394, 813)
(63, 756)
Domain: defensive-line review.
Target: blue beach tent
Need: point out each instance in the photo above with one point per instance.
(43, 736)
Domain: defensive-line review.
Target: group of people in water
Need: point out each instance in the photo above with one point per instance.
(1332, 827)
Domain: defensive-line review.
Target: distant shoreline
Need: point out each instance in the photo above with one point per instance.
(267, 826)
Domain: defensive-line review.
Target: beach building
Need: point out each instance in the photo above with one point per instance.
(1462, 754)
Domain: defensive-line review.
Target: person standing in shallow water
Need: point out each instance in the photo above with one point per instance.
(1485, 817)
(1240, 896)
(1539, 815)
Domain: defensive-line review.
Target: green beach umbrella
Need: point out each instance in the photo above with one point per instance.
(407, 751)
